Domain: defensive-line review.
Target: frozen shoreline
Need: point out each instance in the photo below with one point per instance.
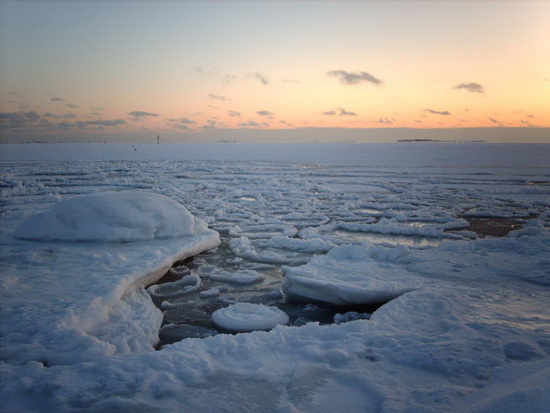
(77, 288)
(471, 336)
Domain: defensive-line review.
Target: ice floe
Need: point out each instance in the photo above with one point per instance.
(348, 274)
(241, 317)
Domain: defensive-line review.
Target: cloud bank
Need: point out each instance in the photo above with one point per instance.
(33, 121)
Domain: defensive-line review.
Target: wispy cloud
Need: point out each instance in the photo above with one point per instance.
(181, 123)
(186, 121)
(353, 78)
(385, 121)
(218, 97)
(249, 124)
(71, 125)
(344, 112)
(339, 111)
(181, 126)
(471, 87)
(211, 124)
(234, 113)
(201, 71)
(57, 100)
(265, 113)
(227, 78)
(260, 77)
(114, 122)
(139, 115)
(63, 116)
(70, 105)
(437, 112)
(495, 121)
(32, 115)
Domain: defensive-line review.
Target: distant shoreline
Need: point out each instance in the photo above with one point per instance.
(399, 154)
(300, 135)
(443, 141)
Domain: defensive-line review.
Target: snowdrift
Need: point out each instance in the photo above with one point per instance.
(112, 217)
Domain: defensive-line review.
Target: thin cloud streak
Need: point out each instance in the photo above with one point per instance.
(115, 122)
(354, 78)
(340, 112)
(471, 87)
(261, 78)
(139, 115)
(265, 113)
(218, 97)
(437, 112)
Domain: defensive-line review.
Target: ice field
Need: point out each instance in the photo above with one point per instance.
(407, 277)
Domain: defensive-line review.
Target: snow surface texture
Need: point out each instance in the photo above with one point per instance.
(249, 317)
(467, 331)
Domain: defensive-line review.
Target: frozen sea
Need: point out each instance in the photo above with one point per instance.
(406, 277)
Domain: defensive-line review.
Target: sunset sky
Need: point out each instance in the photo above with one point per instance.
(272, 70)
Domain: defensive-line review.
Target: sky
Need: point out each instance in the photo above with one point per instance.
(274, 70)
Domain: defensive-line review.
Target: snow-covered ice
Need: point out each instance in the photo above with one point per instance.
(83, 295)
(111, 217)
(85, 228)
(352, 274)
(242, 317)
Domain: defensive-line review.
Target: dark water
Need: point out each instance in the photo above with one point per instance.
(188, 311)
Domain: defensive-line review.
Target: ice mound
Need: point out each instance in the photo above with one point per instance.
(242, 317)
(351, 274)
(112, 217)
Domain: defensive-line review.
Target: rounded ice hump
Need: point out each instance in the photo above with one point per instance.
(112, 217)
(245, 317)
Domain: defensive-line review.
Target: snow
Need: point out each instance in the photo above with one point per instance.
(111, 217)
(351, 274)
(69, 301)
(242, 317)
(466, 327)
